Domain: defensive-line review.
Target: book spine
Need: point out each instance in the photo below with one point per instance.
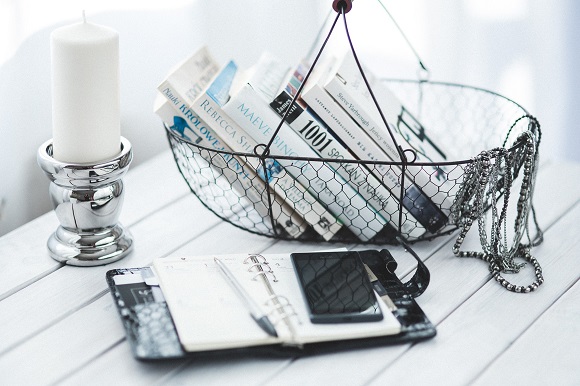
(321, 139)
(242, 179)
(348, 89)
(283, 184)
(414, 200)
(251, 112)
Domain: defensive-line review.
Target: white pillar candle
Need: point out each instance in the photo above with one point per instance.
(85, 93)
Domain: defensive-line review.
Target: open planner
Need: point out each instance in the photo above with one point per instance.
(184, 306)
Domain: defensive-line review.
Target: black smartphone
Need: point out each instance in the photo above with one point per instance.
(336, 287)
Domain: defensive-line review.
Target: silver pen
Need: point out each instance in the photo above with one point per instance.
(255, 311)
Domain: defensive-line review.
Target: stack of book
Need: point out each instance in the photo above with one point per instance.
(334, 119)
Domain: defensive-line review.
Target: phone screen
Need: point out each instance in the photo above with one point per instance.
(336, 287)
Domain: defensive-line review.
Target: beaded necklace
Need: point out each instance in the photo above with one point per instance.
(488, 177)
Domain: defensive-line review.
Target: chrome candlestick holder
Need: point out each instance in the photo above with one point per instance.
(87, 199)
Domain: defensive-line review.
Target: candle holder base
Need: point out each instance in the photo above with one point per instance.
(87, 200)
(97, 247)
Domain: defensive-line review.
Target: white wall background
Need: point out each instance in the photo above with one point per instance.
(524, 49)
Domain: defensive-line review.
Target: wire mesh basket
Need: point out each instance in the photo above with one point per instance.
(490, 158)
(470, 119)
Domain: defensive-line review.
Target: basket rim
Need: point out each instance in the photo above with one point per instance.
(525, 114)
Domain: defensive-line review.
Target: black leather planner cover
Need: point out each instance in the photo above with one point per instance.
(152, 336)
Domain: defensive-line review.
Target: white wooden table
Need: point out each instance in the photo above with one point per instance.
(58, 324)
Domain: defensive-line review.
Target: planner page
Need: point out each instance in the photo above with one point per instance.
(207, 312)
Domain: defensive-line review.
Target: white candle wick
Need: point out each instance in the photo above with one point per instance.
(84, 17)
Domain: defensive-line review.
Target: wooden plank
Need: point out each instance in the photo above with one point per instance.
(25, 248)
(228, 371)
(492, 319)
(551, 344)
(50, 354)
(150, 186)
(24, 256)
(116, 366)
(74, 287)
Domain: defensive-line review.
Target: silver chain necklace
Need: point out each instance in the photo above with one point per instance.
(487, 178)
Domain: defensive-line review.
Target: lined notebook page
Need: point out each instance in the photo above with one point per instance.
(206, 311)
